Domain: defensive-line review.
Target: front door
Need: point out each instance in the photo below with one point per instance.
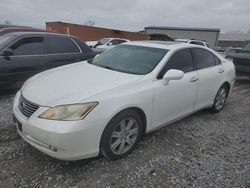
(23, 63)
(177, 98)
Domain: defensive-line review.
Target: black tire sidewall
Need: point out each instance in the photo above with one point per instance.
(214, 109)
(106, 136)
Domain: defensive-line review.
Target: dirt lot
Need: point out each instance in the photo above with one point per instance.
(203, 150)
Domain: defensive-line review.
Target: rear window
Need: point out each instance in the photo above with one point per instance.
(60, 45)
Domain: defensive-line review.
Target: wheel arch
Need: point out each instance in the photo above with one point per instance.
(138, 110)
(228, 86)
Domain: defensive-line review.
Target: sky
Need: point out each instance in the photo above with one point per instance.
(130, 15)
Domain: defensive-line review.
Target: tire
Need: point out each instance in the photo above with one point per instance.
(121, 135)
(220, 99)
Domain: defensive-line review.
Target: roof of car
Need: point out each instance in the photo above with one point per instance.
(161, 44)
(37, 33)
(115, 38)
(189, 40)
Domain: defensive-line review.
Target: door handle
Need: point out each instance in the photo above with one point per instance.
(194, 79)
(221, 70)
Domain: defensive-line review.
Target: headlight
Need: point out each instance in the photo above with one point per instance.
(70, 112)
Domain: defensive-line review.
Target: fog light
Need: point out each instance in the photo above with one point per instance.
(52, 148)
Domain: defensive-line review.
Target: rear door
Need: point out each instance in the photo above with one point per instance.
(177, 98)
(23, 63)
(211, 75)
(60, 51)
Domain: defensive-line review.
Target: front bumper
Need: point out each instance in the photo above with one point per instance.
(65, 140)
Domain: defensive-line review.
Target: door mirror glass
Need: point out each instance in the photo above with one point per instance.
(173, 74)
(8, 53)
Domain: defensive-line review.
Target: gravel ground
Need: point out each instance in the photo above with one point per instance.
(203, 150)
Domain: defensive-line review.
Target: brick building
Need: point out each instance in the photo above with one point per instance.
(89, 33)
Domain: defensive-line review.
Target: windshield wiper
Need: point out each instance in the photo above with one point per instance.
(107, 67)
(90, 61)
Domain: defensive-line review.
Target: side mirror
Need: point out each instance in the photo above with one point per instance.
(172, 74)
(110, 44)
(8, 53)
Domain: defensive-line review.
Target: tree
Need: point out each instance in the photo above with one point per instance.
(89, 23)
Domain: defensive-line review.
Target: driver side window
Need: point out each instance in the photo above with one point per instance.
(28, 46)
(180, 60)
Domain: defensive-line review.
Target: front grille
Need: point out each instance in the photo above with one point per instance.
(26, 107)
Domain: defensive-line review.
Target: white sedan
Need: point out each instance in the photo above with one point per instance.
(108, 43)
(104, 106)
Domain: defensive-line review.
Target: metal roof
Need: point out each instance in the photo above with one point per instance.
(184, 28)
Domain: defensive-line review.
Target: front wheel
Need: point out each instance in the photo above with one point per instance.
(121, 135)
(220, 99)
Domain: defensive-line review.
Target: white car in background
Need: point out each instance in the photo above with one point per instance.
(107, 104)
(108, 43)
(192, 41)
(91, 44)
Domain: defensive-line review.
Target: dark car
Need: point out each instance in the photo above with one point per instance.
(241, 61)
(231, 50)
(4, 31)
(24, 54)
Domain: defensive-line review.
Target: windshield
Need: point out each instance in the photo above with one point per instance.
(130, 59)
(247, 48)
(103, 41)
(4, 39)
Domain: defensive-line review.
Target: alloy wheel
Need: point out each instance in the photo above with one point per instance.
(220, 98)
(124, 136)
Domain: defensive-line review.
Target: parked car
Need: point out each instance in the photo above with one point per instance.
(193, 41)
(160, 37)
(108, 43)
(91, 44)
(220, 49)
(105, 105)
(231, 50)
(241, 61)
(24, 54)
(4, 31)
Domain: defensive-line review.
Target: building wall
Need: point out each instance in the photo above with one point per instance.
(210, 36)
(88, 33)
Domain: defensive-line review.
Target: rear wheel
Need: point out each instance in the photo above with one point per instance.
(220, 99)
(121, 135)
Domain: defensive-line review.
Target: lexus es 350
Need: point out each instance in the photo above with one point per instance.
(105, 105)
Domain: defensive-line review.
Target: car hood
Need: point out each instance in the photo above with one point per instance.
(73, 84)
